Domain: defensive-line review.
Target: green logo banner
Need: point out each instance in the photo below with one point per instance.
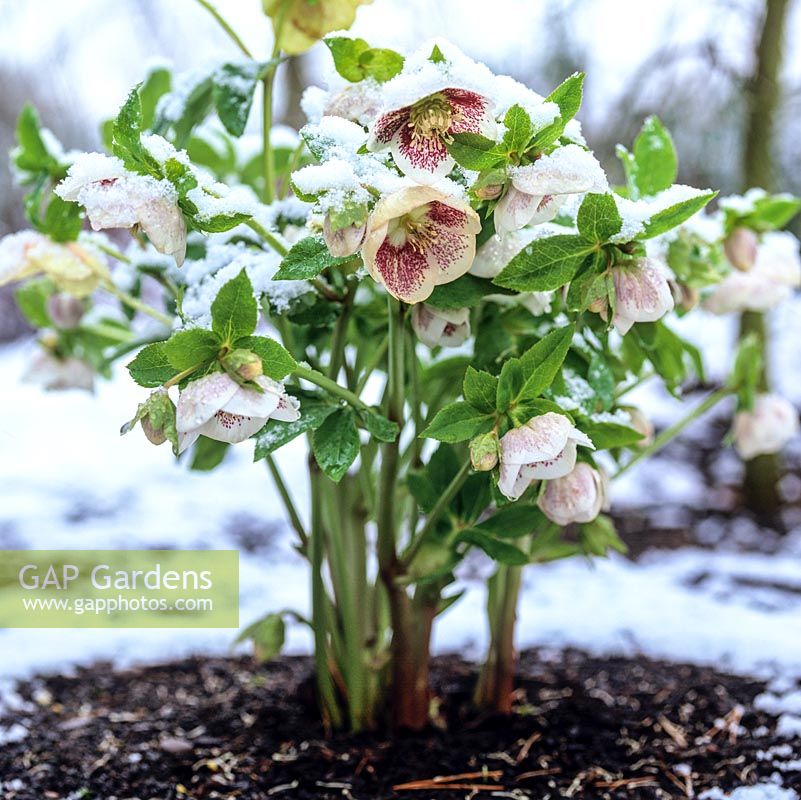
(119, 589)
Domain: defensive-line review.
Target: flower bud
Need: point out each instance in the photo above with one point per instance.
(642, 425)
(439, 327)
(344, 241)
(684, 297)
(484, 452)
(741, 248)
(243, 365)
(489, 192)
(157, 418)
(765, 429)
(578, 496)
(65, 310)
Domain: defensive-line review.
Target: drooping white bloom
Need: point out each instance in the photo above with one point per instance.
(543, 448)
(345, 241)
(116, 198)
(642, 293)
(537, 191)
(418, 238)
(578, 496)
(438, 327)
(218, 407)
(767, 428)
(57, 374)
(74, 268)
(642, 425)
(772, 278)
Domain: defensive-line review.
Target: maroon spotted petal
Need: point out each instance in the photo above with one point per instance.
(388, 125)
(469, 109)
(402, 269)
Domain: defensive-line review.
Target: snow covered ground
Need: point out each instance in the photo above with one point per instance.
(68, 480)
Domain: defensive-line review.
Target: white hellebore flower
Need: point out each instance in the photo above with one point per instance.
(642, 293)
(578, 496)
(766, 428)
(741, 248)
(537, 191)
(417, 134)
(418, 238)
(439, 327)
(56, 374)
(116, 198)
(542, 449)
(772, 278)
(218, 407)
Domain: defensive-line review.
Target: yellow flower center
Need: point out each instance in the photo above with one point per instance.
(431, 117)
(414, 228)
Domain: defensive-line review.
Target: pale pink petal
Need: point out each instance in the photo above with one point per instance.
(386, 128)
(425, 159)
(511, 483)
(642, 294)
(575, 497)
(554, 467)
(186, 440)
(471, 111)
(405, 272)
(767, 428)
(250, 403)
(165, 226)
(231, 428)
(541, 438)
(288, 409)
(515, 210)
(203, 398)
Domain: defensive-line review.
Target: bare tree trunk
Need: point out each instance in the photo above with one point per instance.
(762, 473)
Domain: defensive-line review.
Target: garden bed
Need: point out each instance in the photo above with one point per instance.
(583, 727)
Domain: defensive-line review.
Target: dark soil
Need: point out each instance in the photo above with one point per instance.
(222, 728)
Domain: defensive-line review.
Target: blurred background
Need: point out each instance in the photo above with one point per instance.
(692, 61)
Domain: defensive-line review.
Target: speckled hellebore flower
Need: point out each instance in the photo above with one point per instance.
(578, 496)
(418, 238)
(116, 198)
(218, 407)
(439, 327)
(417, 135)
(537, 191)
(73, 268)
(642, 293)
(765, 429)
(542, 449)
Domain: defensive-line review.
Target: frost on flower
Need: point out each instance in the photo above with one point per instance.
(542, 449)
(116, 198)
(578, 496)
(74, 268)
(216, 406)
(417, 239)
(767, 428)
(776, 271)
(439, 327)
(537, 191)
(642, 293)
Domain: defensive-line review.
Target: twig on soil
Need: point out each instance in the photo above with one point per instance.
(452, 782)
(524, 750)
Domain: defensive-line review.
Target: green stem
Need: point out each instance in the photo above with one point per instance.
(176, 379)
(340, 334)
(289, 505)
(441, 505)
(226, 27)
(369, 367)
(331, 386)
(674, 430)
(136, 304)
(268, 237)
(325, 683)
(111, 251)
(268, 83)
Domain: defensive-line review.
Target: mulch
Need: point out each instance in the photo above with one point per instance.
(583, 727)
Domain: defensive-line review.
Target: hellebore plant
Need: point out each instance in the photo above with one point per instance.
(434, 283)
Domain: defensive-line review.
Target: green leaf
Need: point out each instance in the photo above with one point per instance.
(513, 521)
(156, 84)
(567, 96)
(192, 108)
(474, 151)
(378, 426)
(541, 362)
(422, 490)
(276, 361)
(126, 133)
(673, 216)
(510, 384)
(602, 380)
(496, 549)
(335, 443)
(598, 219)
(151, 367)
(655, 162)
(599, 536)
(519, 129)
(480, 390)
(63, 220)
(208, 454)
(191, 348)
(355, 60)
(234, 85)
(545, 264)
(458, 422)
(234, 312)
(314, 410)
(464, 292)
(437, 56)
(589, 285)
(32, 300)
(606, 435)
(307, 259)
(770, 213)
(267, 634)
(31, 153)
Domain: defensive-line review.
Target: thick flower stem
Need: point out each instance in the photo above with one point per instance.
(331, 386)
(136, 304)
(289, 505)
(232, 34)
(496, 681)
